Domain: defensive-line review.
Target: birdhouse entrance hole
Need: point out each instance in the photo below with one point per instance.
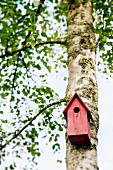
(76, 109)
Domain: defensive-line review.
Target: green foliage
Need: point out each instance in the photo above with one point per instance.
(25, 68)
(103, 15)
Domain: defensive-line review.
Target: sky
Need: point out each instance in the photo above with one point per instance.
(105, 135)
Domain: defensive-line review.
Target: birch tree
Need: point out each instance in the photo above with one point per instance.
(81, 44)
(36, 38)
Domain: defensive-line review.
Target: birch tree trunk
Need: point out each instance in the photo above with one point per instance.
(82, 79)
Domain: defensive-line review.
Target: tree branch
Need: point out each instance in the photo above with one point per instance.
(16, 134)
(30, 46)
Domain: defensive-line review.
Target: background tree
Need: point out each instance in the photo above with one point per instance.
(33, 46)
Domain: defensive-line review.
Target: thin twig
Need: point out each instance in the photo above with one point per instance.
(24, 63)
(14, 75)
(39, 7)
(16, 134)
(21, 18)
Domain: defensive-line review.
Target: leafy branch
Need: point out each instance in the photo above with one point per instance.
(30, 46)
(16, 134)
(38, 11)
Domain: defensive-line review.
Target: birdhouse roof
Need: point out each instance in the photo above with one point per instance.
(71, 101)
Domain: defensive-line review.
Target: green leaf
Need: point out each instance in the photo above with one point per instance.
(0, 128)
(11, 167)
(21, 82)
(3, 95)
(38, 153)
(43, 34)
(36, 3)
(49, 68)
(59, 161)
(10, 62)
(4, 121)
(1, 112)
(60, 128)
(50, 139)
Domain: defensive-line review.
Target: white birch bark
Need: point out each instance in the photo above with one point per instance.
(82, 79)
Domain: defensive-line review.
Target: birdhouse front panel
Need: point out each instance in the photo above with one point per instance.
(77, 119)
(78, 125)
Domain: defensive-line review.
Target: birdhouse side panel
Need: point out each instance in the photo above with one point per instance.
(89, 132)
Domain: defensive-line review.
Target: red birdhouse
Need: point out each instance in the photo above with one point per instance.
(78, 121)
